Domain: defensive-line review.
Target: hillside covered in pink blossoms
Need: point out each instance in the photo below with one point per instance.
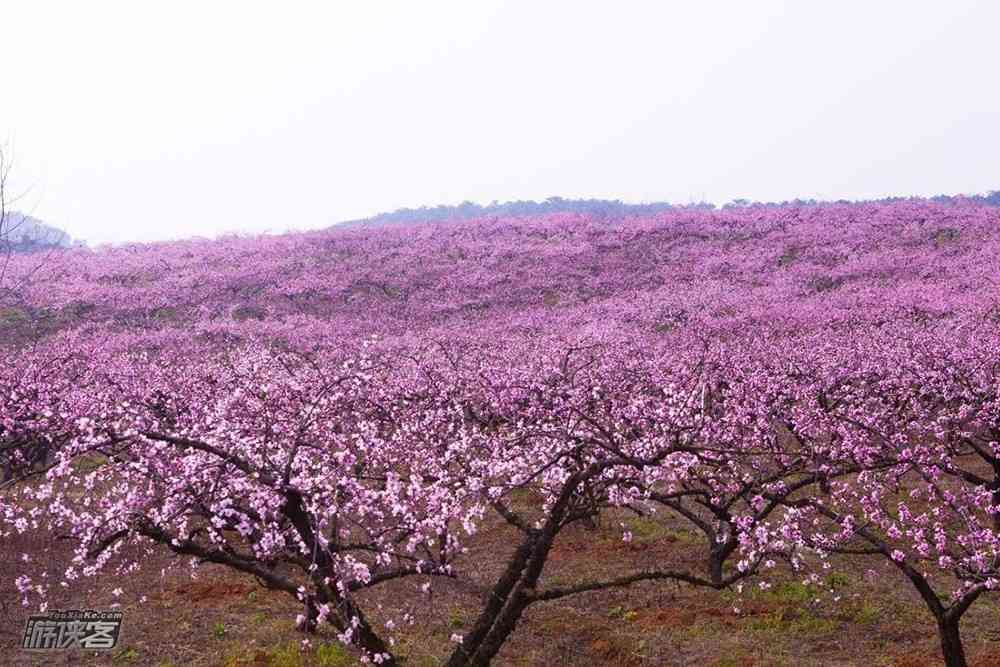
(749, 271)
(341, 411)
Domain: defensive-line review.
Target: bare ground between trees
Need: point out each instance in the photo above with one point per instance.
(224, 618)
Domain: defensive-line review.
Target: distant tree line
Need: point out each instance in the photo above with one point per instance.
(990, 199)
(597, 208)
(610, 208)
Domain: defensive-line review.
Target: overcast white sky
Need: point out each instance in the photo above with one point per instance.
(139, 121)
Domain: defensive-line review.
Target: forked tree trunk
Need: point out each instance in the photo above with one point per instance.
(495, 602)
(509, 597)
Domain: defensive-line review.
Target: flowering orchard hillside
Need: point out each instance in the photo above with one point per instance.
(781, 269)
(341, 412)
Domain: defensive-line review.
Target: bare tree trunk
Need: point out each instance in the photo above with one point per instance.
(715, 565)
(951, 641)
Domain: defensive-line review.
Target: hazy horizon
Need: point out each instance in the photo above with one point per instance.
(131, 123)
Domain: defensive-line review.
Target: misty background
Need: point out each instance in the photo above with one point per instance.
(133, 122)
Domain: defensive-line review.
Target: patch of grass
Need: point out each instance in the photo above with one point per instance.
(644, 528)
(288, 655)
(791, 592)
(788, 622)
(867, 614)
(785, 593)
(333, 655)
(837, 580)
(126, 655)
(219, 630)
